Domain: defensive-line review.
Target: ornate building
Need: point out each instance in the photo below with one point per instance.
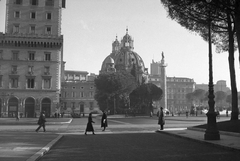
(31, 58)
(124, 58)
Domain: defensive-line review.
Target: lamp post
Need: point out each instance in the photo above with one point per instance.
(211, 132)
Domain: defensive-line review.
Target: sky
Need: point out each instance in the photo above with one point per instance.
(90, 26)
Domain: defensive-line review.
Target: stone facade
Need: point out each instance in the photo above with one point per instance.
(77, 95)
(31, 58)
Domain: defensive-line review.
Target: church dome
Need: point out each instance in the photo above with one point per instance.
(128, 60)
(108, 62)
(124, 58)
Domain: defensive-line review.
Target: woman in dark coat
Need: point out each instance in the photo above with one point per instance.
(161, 120)
(89, 125)
(104, 123)
(41, 122)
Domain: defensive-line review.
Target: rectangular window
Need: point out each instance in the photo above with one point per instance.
(30, 69)
(33, 15)
(1, 54)
(31, 56)
(34, 2)
(32, 29)
(48, 30)
(73, 105)
(49, 3)
(14, 82)
(17, 1)
(91, 94)
(17, 14)
(64, 105)
(46, 70)
(48, 16)
(81, 94)
(65, 94)
(15, 55)
(47, 83)
(73, 94)
(1, 81)
(47, 56)
(16, 28)
(14, 69)
(30, 83)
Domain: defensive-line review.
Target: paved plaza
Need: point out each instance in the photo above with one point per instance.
(124, 139)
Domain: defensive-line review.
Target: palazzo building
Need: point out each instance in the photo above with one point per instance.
(31, 58)
(77, 94)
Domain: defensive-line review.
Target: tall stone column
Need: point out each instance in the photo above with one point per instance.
(163, 66)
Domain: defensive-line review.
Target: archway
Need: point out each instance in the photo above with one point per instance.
(29, 107)
(46, 106)
(12, 107)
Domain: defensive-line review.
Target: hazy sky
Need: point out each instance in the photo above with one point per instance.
(90, 26)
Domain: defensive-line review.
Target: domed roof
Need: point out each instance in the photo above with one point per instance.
(129, 59)
(107, 61)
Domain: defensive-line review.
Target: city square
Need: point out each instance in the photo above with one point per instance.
(119, 80)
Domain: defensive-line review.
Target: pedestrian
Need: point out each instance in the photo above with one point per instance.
(227, 112)
(161, 120)
(17, 117)
(41, 122)
(104, 122)
(89, 125)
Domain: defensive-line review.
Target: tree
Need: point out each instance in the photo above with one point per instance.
(110, 86)
(225, 26)
(199, 95)
(220, 96)
(189, 97)
(144, 95)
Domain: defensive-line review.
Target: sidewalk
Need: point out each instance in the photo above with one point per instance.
(227, 139)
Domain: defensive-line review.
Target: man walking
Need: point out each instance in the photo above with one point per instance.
(41, 122)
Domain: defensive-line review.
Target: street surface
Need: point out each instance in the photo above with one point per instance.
(130, 139)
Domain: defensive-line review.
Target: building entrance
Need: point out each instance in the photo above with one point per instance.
(29, 107)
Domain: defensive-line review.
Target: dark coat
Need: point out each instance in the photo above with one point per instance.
(42, 119)
(161, 120)
(104, 123)
(89, 124)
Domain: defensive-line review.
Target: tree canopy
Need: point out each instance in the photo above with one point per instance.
(144, 95)
(223, 16)
(109, 85)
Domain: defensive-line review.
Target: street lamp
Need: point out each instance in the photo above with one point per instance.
(211, 132)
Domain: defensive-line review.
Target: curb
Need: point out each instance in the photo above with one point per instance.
(44, 150)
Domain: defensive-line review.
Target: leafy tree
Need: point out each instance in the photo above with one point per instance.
(110, 86)
(189, 97)
(225, 26)
(198, 96)
(144, 95)
(220, 96)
